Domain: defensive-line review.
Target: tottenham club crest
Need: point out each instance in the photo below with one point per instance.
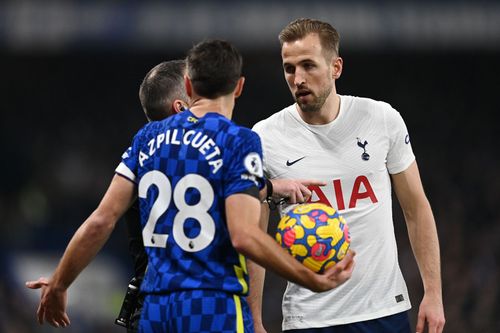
(253, 164)
(365, 156)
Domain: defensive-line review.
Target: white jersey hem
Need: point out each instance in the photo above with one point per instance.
(302, 324)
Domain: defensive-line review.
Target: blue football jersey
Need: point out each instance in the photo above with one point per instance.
(185, 167)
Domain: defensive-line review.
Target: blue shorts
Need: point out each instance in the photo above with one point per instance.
(396, 323)
(196, 311)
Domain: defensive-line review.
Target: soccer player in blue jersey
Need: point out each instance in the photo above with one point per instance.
(162, 94)
(198, 177)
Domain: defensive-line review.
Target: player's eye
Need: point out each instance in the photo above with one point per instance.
(309, 66)
(289, 69)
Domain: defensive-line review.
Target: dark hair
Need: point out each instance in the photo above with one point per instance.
(300, 28)
(163, 84)
(214, 67)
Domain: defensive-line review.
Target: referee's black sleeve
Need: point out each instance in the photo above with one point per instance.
(136, 245)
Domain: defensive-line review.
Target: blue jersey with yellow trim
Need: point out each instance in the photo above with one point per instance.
(185, 168)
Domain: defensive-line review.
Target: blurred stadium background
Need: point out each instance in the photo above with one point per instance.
(70, 72)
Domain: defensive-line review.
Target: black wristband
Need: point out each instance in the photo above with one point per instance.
(269, 186)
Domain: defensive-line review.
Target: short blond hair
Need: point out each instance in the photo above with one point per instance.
(300, 28)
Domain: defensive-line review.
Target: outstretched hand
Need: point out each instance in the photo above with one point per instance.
(52, 308)
(40, 283)
(295, 190)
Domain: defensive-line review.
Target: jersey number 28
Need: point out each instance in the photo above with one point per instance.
(198, 211)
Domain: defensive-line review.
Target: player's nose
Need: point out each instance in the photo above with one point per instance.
(299, 79)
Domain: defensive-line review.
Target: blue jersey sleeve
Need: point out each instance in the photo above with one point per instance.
(244, 169)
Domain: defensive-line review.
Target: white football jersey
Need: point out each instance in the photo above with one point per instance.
(354, 155)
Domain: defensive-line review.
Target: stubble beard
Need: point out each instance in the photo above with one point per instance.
(317, 102)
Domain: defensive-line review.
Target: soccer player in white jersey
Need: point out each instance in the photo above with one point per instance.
(357, 146)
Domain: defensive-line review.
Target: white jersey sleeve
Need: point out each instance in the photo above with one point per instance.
(400, 154)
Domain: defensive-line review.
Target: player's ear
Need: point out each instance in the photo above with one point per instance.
(178, 105)
(239, 87)
(337, 65)
(188, 85)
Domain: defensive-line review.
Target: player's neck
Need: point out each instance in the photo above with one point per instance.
(222, 105)
(328, 112)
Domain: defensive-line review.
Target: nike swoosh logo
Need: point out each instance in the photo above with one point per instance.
(288, 163)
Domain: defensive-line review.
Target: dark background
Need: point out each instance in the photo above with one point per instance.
(69, 111)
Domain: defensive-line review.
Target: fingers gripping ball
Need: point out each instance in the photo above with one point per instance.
(315, 234)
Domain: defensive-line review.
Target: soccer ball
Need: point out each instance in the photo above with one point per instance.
(315, 234)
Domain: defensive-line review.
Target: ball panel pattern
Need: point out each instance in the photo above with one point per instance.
(315, 234)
